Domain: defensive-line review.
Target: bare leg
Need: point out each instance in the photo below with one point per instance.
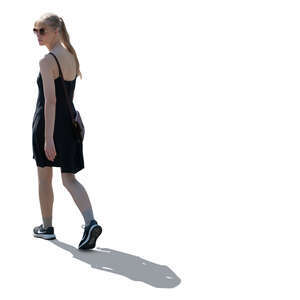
(79, 195)
(46, 194)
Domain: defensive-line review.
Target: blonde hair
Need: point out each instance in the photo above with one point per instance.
(54, 21)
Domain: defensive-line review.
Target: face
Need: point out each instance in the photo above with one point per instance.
(44, 33)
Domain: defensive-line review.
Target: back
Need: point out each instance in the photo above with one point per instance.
(67, 63)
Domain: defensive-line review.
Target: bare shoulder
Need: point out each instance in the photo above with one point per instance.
(45, 60)
(46, 64)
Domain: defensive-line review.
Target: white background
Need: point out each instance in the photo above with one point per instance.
(192, 152)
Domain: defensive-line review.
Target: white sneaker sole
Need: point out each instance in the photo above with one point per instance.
(45, 236)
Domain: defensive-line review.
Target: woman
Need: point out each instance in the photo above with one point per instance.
(53, 142)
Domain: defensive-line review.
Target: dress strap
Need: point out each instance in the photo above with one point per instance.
(60, 72)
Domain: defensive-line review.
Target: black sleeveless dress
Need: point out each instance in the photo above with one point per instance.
(69, 154)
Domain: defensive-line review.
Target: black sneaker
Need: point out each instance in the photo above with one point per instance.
(41, 232)
(90, 235)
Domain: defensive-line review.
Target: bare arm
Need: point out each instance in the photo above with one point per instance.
(50, 97)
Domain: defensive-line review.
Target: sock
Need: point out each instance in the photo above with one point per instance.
(47, 222)
(88, 215)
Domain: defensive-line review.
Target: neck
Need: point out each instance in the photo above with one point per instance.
(54, 46)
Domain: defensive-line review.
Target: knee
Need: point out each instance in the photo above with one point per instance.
(67, 179)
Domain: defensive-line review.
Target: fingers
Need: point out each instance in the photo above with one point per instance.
(50, 153)
(51, 156)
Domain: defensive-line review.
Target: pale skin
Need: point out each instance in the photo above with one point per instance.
(49, 72)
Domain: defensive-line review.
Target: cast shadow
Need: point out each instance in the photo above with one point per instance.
(130, 266)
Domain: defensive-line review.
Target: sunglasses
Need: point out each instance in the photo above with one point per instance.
(42, 31)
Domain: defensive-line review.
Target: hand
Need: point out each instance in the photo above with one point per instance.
(50, 149)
